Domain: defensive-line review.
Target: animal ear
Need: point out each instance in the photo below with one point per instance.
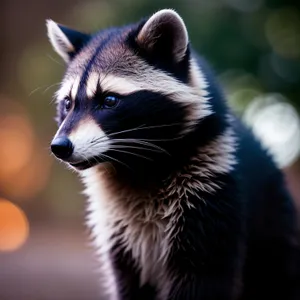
(164, 34)
(65, 41)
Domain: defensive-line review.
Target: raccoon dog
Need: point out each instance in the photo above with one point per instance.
(183, 202)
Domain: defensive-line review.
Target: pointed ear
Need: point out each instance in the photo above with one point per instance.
(65, 41)
(164, 34)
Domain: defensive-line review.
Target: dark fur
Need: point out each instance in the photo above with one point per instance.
(242, 241)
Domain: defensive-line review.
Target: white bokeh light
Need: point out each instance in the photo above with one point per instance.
(276, 123)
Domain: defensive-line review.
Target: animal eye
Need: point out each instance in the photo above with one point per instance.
(110, 101)
(68, 104)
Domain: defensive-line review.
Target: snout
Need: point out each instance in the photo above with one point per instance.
(62, 147)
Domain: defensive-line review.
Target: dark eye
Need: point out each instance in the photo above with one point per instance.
(110, 101)
(68, 104)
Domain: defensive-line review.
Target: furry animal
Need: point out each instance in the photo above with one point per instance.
(183, 202)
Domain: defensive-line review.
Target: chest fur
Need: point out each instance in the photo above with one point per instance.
(144, 225)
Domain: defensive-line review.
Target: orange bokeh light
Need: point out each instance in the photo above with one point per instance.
(24, 164)
(28, 181)
(14, 226)
(17, 143)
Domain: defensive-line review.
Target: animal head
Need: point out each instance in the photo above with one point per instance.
(128, 93)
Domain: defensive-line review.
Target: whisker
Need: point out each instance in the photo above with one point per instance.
(105, 155)
(50, 86)
(54, 60)
(35, 90)
(119, 132)
(135, 154)
(137, 141)
(99, 162)
(163, 140)
(127, 130)
(119, 146)
(141, 142)
(137, 128)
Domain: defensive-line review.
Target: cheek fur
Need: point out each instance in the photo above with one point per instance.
(88, 139)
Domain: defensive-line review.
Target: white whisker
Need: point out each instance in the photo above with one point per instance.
(135, 154)
(99, 162)
(35, 90)
(53, 59)
(141, 142)
(120, 146)
(138, 128)
(105, 155)
(50, 86)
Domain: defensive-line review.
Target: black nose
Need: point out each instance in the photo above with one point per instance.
(62, 147)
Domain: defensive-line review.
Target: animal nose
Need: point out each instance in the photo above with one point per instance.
(62, 147)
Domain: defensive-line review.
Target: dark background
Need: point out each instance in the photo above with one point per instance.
(254, 47)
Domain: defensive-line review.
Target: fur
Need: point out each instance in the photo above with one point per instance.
(183, 202)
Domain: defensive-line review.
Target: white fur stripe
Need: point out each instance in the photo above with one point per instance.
(117, 84)
(97, 222)
(197, 79)
(92, 83)
(75, 87)
(65, 89)
(88, 140)
(60, 128)
(68, 87)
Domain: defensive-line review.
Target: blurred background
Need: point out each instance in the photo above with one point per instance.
(253, 46)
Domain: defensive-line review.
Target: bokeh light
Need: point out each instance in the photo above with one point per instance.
(30, 179)
(241, 88)
(24, 164)
(17, 144)
(275, 121)
(14, 226)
